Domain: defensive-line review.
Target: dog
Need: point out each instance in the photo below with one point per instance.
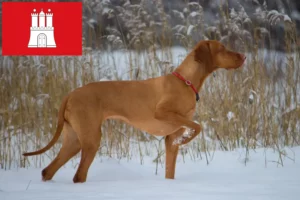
(161, 106)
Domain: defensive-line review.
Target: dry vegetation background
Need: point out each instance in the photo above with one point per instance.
(253, 107)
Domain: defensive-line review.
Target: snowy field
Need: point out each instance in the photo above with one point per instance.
(265, 112)
(226, 177)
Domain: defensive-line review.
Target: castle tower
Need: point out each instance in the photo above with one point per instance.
(42, 19)
(34, 19)
(49, 18)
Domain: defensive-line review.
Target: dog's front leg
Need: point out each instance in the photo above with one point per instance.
(179, 121)
(171, 148)
(171, 154)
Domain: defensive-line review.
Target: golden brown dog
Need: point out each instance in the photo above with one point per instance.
(162, 106)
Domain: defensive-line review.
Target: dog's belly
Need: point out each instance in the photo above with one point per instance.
(151, 125)
(156, 127)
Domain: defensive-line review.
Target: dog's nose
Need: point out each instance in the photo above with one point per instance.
(242, 56)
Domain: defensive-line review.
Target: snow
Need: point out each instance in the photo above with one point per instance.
(226, 177)
(194, 14)
(190, 29)
(286, 18)
(230, 115)
(188, 133)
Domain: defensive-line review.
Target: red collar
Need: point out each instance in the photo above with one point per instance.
(187, 82)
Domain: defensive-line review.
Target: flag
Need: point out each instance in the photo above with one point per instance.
(41, 28)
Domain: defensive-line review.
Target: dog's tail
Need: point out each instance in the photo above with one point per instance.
(60, 125)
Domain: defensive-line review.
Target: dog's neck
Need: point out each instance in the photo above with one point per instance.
(193, 71)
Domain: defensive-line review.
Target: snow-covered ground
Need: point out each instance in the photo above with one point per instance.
(226, 177)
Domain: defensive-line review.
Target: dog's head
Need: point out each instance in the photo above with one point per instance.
(214, 54)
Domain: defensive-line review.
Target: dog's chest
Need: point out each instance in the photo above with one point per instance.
(190, 113)
(187, 111)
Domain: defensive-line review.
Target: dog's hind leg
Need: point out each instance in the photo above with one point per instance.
(89, 133)
(88, 152)
(70, 147)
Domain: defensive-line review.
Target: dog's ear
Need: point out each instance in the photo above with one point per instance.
(203, 54)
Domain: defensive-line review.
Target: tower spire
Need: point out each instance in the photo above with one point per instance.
(34, 19)
(42, 19)
(49, 16)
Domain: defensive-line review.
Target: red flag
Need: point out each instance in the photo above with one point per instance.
(38, 28)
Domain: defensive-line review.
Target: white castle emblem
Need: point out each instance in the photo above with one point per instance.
(41, 34)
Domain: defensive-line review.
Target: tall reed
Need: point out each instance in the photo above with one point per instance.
(252, 107)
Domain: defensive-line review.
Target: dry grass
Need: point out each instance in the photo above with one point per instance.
(253, 107)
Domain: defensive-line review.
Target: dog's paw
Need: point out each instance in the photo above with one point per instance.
(46, 176)
(178, 141)
(188, 133)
